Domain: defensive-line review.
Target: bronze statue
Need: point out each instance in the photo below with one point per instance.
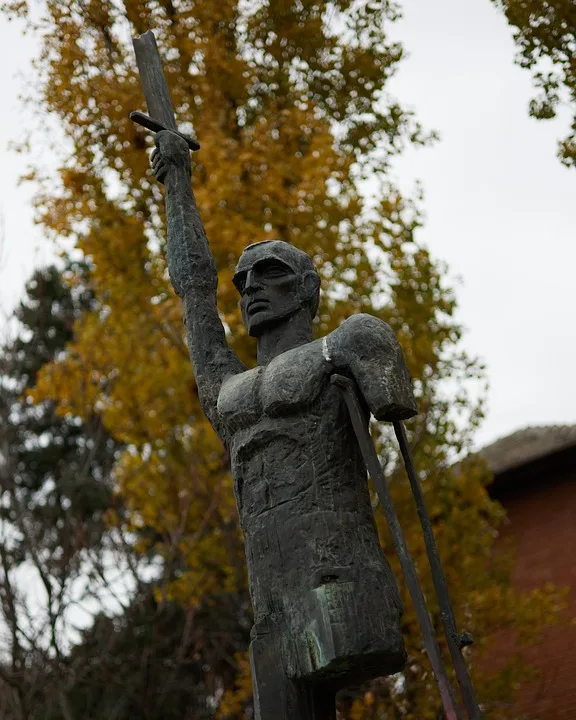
(326, 605)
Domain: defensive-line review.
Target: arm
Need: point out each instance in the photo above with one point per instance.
(193, 274)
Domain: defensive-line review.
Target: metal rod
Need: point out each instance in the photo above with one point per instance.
(359, 423)
(453, 638)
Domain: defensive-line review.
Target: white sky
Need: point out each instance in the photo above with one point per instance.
(500, 208)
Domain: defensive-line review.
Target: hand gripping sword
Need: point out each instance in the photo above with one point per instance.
(454, 640)
(190, 228)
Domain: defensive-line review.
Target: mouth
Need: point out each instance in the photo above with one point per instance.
(256, 306)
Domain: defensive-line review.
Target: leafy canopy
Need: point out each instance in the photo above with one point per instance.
(545, 33)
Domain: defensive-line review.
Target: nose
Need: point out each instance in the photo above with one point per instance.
(251, 283)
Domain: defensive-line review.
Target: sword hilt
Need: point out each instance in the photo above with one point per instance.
(150, 124)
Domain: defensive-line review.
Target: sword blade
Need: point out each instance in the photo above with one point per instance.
(153, 80)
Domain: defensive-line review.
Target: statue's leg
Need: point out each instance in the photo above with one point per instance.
(272, 692)
(278, 697)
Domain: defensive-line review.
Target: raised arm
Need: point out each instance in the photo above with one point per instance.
(193, 273)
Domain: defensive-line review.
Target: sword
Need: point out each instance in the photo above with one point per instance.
(455, 641)
(155, 90)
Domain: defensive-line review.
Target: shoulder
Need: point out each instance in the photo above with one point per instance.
(364, 334)
(366, 348)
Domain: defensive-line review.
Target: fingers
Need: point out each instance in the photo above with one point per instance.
(159, 165)
(157, 162)
(159, 170)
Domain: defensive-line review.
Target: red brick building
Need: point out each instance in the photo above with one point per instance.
(535, 480)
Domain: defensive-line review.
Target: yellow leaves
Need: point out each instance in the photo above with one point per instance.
(113, 368)
(363, 708)
(233, 702)
(538, 609)
(75, 383)
(16, 8)
(182, 489)
(545, 35)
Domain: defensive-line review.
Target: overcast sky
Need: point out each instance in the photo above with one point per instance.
(500, 208)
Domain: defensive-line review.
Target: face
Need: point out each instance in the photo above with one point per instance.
(270, 292)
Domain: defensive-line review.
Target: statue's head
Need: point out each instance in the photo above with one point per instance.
(275, 281)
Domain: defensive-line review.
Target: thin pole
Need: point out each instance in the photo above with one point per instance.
(358, 417)
(453, 638)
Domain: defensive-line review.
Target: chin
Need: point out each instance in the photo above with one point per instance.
(262, 322)
(258, 326)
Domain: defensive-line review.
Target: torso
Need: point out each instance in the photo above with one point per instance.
(304, 505)
(299, 479)
(289, 437)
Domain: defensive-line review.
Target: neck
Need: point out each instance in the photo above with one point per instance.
(290, 333)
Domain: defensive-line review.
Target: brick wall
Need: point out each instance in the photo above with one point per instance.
(541, 503)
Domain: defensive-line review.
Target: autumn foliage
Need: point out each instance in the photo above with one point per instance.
(545, 35)
(289, 101)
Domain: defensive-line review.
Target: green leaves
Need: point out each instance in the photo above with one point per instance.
(545, 33)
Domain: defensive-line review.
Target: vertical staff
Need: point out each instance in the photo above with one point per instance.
(454, 639)
(358, 418)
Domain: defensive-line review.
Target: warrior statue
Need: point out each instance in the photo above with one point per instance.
(326, 605)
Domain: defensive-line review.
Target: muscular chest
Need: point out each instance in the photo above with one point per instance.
(287, 385)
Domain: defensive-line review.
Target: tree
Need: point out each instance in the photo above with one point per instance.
(55, 483)
(155, 661)
(289, 101)
(134, 657)
(545, 33)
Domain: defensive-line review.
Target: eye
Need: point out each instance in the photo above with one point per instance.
(239, 281)
(275, 270)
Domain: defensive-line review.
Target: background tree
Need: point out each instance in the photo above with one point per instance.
(155, 661)
(56, 554)
(545, 33)
(289, 101)
(79, 641)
